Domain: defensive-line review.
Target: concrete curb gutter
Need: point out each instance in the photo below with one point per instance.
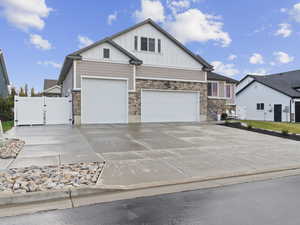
(17, 204)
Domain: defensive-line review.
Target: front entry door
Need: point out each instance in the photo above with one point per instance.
(297, 112)
(277, 113)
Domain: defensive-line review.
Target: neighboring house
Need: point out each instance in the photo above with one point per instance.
(4, 81)
(273, 97)
(142, 74)
(51, 88)
(221, 95)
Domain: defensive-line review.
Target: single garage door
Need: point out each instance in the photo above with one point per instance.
(104, 101)
(170, 106)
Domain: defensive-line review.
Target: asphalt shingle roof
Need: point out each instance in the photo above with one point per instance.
(286, 83)
(215, 76)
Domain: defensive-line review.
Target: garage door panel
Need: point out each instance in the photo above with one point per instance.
(170, 106)
(104, 101)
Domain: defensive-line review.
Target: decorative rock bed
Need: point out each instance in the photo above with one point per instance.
(33, 179)
(10, 148)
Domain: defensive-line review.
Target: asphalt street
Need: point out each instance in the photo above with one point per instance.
(273, 202)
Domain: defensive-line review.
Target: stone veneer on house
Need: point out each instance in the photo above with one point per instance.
(217, 106)
(135, 97)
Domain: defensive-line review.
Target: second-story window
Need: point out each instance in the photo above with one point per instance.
(144, 44)
(136, 43)
(228, 91)
(106, 53)
(212, 89)
(159, 45)
(151, 44)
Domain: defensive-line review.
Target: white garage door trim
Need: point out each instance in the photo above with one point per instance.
(105, 78)
(175, 91)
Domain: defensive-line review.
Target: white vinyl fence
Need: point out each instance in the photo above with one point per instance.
(42, 110)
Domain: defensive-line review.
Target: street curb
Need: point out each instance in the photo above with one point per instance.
(7, 200)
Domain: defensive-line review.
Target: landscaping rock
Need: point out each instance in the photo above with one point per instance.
(33, 179)
(10, 148)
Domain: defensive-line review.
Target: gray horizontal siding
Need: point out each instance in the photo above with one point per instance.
(170, 73)
(68, 83)
(104, 69)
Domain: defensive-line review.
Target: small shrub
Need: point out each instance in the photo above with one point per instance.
(224, 116)
(249, 127)
(6, 109)
(285, 132)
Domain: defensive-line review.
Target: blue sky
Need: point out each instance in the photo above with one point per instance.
(237, 37)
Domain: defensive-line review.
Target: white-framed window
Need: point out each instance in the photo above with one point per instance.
(260, 106)
(213, 89)
(106, 53)
(148, 44)
(228, 91)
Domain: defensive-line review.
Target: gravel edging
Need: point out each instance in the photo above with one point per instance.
(36, 179)
(10, 148)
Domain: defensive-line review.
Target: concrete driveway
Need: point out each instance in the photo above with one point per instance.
(149, 154)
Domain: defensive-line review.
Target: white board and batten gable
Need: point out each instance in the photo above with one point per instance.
(171, 55)
(96, 54)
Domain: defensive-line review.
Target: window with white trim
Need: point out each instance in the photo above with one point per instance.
(228, 91)
(213, 89)
(148, 44)
(106, 53)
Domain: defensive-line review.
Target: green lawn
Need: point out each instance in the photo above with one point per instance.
(291, 127)
(7, 125)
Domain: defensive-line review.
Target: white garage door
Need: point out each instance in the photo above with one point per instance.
(104, 101)
(170, 106)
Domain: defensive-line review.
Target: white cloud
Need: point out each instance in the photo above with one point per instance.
(232, 57)
(39, 42)
(178, 5)
(282, 57)
(25, 14)
(225, 69)
(256, 58)
(285, 30)
(193, 25)
(295, 12)
(50, 63)
(84, 41)
(112, 17)
(283, 10)
(150, 9)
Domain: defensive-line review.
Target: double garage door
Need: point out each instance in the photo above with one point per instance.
(105, 101)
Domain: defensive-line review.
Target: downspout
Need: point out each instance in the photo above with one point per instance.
(134, 77)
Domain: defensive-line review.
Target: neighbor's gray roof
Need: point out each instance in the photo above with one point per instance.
(215, 76)
(2, 64)
(49, 83)
(286, 83)
(134, 60)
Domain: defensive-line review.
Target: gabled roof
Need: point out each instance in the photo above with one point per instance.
(49, 83)
(133, 60)
(3, 66)
(285, 83)
(215, 76)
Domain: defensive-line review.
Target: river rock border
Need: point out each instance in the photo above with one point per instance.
(10, 148)
(34, 179)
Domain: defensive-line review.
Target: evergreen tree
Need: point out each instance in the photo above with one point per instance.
(26, 90)
(32, 93)
(22, 93)
(13, 92)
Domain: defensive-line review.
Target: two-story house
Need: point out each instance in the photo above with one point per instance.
(141, 74)
(4, 81)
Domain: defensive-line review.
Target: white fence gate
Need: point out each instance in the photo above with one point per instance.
(42, 110)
